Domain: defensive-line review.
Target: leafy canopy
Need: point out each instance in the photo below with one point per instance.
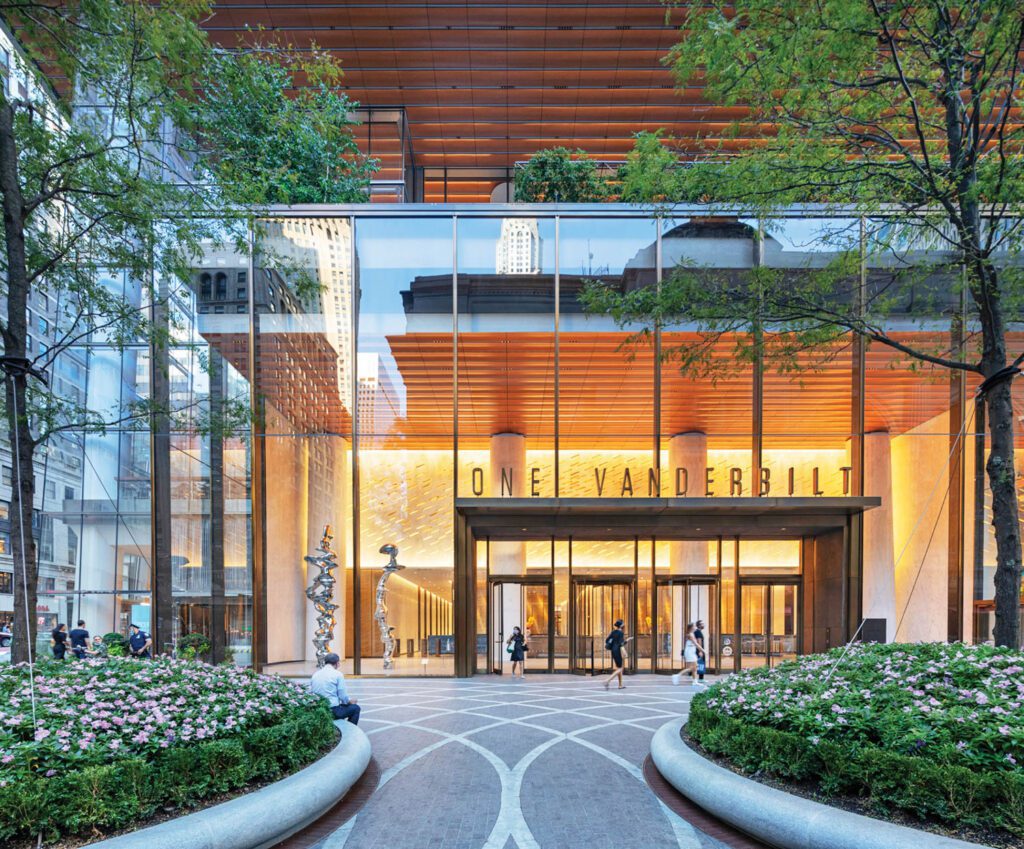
(555, 176)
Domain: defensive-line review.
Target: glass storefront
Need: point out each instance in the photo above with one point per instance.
(400, 368)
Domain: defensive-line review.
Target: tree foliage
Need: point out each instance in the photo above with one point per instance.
(560, 175)
(261, 145)
(911, 109)
(158, 144)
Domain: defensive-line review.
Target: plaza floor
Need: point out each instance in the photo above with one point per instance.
(548, 762)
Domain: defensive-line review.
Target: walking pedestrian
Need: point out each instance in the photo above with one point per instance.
(59, 640)
(516, 646)
(615, 642)
(329, 682)
(139, 642)
(698, 635)
(691, 651)
(79, 640)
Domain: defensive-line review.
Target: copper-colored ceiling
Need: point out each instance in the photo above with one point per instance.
(487, 83)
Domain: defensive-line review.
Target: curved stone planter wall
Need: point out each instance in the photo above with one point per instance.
(264, 817)
(772, 816)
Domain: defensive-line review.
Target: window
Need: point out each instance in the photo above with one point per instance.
(43, 324)
(241, 292)
(69, 495)
(243, 277)
(49, 584)
(28, 344)
(72, 547)
(205, 286)
(5, 511)
(240, 308)
(5, 543)
(6, 583)
(221, 285)
(219, 308)
(5, 475)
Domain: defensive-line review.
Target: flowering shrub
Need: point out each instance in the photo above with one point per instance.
(933, 729)
(142, 735)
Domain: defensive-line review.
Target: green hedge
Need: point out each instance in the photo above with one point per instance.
(116, 795)
(887, 781)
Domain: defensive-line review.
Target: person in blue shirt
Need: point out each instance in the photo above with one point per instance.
(139, 642)
(329, 683)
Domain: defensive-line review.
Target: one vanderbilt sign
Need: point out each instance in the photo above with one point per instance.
(680, 482)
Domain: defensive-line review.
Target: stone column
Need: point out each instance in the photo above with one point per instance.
(687, 461)
(508, 480)
(879, 566)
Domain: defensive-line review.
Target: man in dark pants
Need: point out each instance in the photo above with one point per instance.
(329, 682)
(139, 642)
(698, 635)
(79, 640)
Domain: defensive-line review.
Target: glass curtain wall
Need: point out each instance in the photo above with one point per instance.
(302, 312)
(405, 440)
(537, 399)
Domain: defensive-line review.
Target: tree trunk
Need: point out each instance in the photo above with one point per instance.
(23, 544)
(1002, 479)
(15, 375)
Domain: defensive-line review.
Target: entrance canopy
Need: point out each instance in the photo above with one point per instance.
(664, 518)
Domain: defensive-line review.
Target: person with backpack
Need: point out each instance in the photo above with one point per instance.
(615, 642)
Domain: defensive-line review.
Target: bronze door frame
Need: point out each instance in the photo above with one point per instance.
(687, 580)
(628, 581)
(549, 584)
(766, 581)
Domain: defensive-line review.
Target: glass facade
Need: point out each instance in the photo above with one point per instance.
(418, 379)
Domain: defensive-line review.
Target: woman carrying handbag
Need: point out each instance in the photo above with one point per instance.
(516, 647)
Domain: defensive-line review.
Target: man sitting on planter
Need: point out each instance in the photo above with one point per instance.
(329, 682)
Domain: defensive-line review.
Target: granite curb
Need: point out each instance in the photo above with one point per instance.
(773, 816)
(264, 817)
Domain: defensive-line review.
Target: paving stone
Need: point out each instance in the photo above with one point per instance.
(570, 795)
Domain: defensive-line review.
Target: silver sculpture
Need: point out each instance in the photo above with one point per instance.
(320, 592)
(381, 612)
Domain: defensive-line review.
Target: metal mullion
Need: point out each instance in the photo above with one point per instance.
(558, 367)
(656, 365)
(357, 636)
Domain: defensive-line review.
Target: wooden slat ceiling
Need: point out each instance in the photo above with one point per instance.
(606, 396)
(487, 83)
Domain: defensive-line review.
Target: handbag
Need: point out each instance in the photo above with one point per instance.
(509, 649)
(701, 667)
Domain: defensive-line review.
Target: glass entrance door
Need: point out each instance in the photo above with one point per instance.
(679, 602)
(527, 605)
(596, 606)
(769, 623)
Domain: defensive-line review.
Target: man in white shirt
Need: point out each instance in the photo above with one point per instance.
(330, 683)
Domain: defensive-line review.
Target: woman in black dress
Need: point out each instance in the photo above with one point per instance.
(517, 642)
(616, 641)
(59, 640)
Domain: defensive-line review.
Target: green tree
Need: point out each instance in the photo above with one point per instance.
(907, 106)
(554, 176)
(263, 146)
(151, 145)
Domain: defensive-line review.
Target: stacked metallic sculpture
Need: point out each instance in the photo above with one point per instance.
(381, 612)
(320, 592)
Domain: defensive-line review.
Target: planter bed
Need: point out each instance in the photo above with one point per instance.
(919, 734)
(119, 742)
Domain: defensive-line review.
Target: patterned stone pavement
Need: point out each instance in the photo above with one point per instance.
(549, 762)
